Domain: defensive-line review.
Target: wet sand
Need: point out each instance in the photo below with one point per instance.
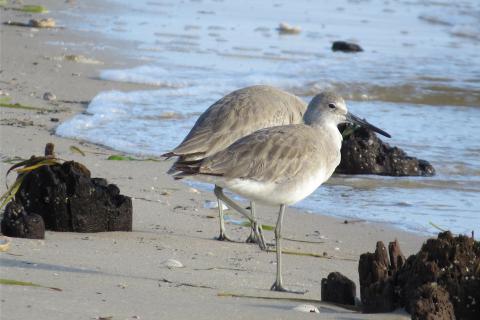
(123, 275)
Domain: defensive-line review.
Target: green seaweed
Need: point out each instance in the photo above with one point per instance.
(33, 9)
(21, 106)
(11, 282)
(118, 157)
(247, 223)
(5, 99)
(75, 149)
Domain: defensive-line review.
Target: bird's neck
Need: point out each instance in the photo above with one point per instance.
(330, 129)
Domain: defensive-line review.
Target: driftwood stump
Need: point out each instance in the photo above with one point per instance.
(338, 289)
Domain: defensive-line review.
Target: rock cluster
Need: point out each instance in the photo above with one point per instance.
(337, 288)
(65, 198)
(364, 153)
(441, 281)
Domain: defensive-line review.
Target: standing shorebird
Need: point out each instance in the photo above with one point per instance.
(280, 165)
(236, 115)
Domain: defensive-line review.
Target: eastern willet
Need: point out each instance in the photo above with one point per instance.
(234, 116)
(280, 165)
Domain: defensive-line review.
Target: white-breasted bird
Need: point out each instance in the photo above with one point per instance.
(280, 165)
(234, 116)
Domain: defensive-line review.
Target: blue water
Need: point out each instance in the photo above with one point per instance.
(417, 78)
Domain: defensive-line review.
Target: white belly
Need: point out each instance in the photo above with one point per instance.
(288, 192)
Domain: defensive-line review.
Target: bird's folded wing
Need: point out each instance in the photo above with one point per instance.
(274, 154)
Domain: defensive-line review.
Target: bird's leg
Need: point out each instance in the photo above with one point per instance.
(233, 205)
(223, 235)
(278, 285)
(251, 237)
(256, 229)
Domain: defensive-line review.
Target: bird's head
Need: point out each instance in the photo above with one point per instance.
(329, 107)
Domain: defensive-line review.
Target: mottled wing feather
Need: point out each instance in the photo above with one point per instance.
(274, 154)
(237, 115)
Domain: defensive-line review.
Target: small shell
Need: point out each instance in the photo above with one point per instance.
(49, 96)
(172, 264)
(193, 190)
(4, 243)
(42, 23)
(209, 204)
(306, 308)
(285, 28)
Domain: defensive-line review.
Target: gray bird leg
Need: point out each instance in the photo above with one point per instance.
(278, 285)
(256, 227)
(223, 235)
(251, 237)
(233, 205)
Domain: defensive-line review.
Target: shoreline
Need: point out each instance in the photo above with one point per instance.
(123, 274)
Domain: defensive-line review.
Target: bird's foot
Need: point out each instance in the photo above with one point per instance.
(257, 237)
(223, 237)
(280, 288)
(251, 238)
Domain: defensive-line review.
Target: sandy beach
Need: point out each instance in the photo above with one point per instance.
(122, 275)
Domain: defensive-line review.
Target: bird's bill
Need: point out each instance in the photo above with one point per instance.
(356, 120)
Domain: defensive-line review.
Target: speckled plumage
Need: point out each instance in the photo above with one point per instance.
(237, 115)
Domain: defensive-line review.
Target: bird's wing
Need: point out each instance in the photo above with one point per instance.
(273, 154)
(239, 114)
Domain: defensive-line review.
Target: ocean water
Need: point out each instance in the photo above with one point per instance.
(418, 78)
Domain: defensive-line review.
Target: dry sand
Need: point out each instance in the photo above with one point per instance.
(123, 274)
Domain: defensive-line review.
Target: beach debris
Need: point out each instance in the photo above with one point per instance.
(285, 28)
(76, 149)
(306, 308)
(22, 106)
(346, 46)
(338, 288)
(33, 9)
(443, 276)
(80, 59)
(209, 204)
(10, 282)
(248, 224)
(364, 153)
(65, 196)
(119, 157)
(42, 23)
(193, 190)
(376, 282)
(49, 96)
(173, 264)
(122, 285)
(432, 302)
(17, 223)
(4, 243)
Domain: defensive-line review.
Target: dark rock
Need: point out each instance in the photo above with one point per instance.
(397, 259)
(16, 223)
(69, 200)
(346, 46)
(376, 284)
(49, 150)
(364, 153)
(431, 302)
(338, 289)
(441, 279)
(451, 262)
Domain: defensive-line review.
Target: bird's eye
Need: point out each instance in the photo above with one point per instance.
(332, 106)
